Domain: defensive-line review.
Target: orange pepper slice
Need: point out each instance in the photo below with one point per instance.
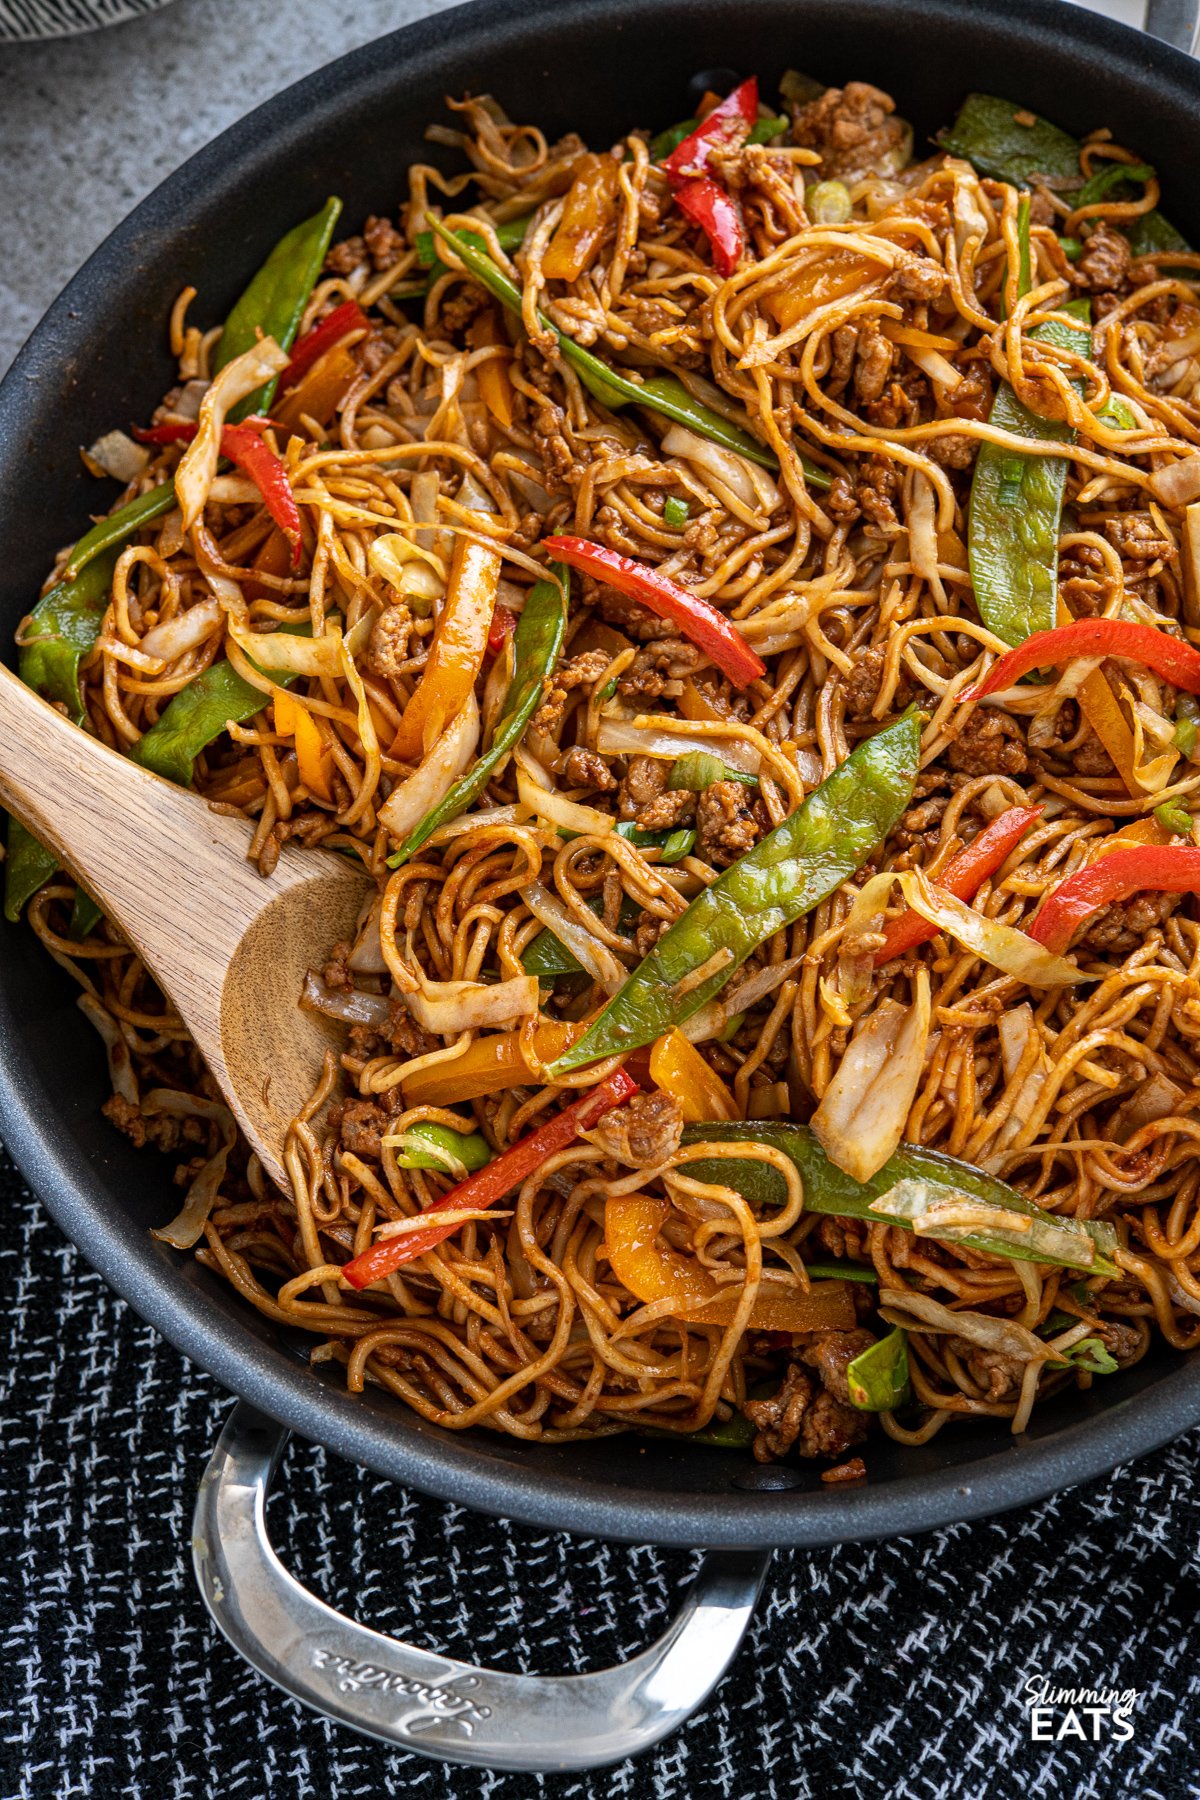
(832, 278)
(459, 644)
(588, 210)
(495, 383)
(320, 392)
(677, 1067)
(313, 758)
(487, 1066)
(652, 1270)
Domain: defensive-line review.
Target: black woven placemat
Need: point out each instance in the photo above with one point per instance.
(893, 1669)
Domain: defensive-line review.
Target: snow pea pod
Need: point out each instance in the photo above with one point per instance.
(197, 715)
(510, 235)
(878, 1378)
(790, 871)
(828, 1189)
(536, 647)
(989, 135)
(273, 306)
(662, 394)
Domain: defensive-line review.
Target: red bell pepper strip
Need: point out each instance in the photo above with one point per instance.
(963, 876)
(499, 1178)
(242, 445)
(1167, 656)
(708, 205)
(331, 330)
(500, 630)
(707, 628)
(727, 124)
(1157, 868)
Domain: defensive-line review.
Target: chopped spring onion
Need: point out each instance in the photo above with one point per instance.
(698, 769)
(675, 512)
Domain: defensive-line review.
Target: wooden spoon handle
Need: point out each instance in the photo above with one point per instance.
(170, 872)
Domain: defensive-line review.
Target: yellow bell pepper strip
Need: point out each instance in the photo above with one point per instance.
(1035, 1236)
(588, 211)
(494, 1182)
(272, 306)
(537, 645)
(459, 646)
(664, 394)
(293, 719)
(319, 393)
(878, 1378)
(697, 618)
(677, 1067)
(788, 872)
(495, 382)
(653, 1271)
(490, 1065)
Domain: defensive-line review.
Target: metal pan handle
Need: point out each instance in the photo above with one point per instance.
(430, 1703)
(1175, 22)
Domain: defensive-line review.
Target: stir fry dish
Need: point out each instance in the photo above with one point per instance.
(737, 593)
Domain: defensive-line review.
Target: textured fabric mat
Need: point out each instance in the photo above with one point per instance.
(894, 1669)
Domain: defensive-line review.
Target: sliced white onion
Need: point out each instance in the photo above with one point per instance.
(189, 399)
(189, 1222)
(351, 1007)
(448, 1007)
(900, 1307)
(922, 532)
(449, 757)
(366, 958)
(1179, 483)
(1155, 1098)
(935, 365)
(117, 455)
(423, 498)
(865, 1108)
(566, 815)
(120, 1063)
(752, 485)
(233, 490)
(237, 380)
(175, 637)
(594, 956)
(531, 491)
(627, 737)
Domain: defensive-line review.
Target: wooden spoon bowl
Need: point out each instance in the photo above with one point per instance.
(229, 949)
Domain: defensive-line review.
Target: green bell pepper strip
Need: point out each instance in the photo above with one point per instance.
(790, 871)
(829, 1190)
(537, 645)
(987, 135)
(429, 1146)
(658, 393)
(878, 1379)
(272, 306)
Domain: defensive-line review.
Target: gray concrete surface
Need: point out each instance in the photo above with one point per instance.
(89, 125)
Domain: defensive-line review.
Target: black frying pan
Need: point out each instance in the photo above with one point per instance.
(99, 358)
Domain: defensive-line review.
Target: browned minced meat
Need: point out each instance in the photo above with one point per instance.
(726, 825)
(953, 451)
(844, 1238)
(166, 1131)
(853, 128)
(630, 616)
(583, 768)
(777, 1421)
(998, 1375)
(1089, 757)
(362, 1124)
(989, 744)
(1123, 1340)
(861, 686)
(346, 256)
(658, 670)
(644, 797)
(401, 1035)
(1126, 924)
(853, 1470)
(642, 1133)
(830, 1353)
(387, 647)
(577, 671)
(1136, 537)
(336, 973)
(861, 350)
(1105, 261)
(648, 931)
(916, 278)
(384, 243)
(875, 488)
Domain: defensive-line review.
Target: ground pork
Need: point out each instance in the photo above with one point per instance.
(387, 647)
(166, 1131)
(777, 1421)
(1125, 925)
(577, 671)
(583, 768)
(645, 798)
(725, 823)
(644, 1132)
(998, 1375)
(989, 744)
(401, 1035)
(854, 128)
(830, 1353)
(1136, 537)
(1105, 262)
(362, 1124)
(657, 671)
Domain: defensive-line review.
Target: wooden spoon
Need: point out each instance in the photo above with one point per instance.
(229, 948)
